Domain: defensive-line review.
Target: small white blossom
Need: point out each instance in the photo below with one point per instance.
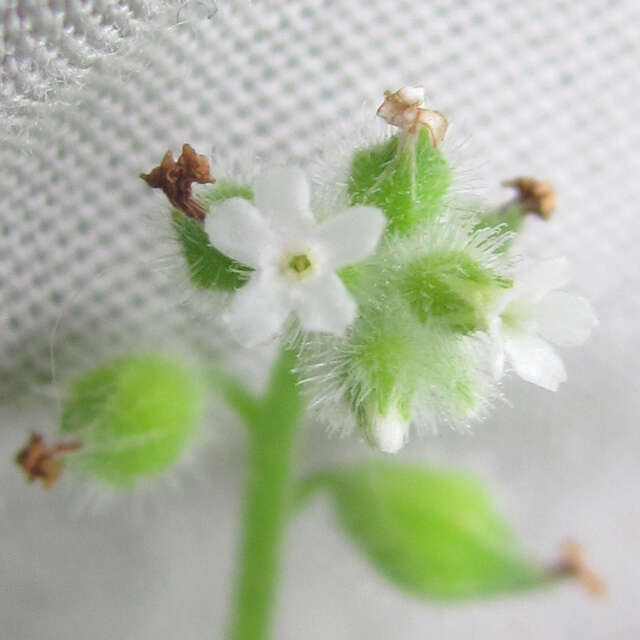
(294, 258)
(531, 313)
(404, 109)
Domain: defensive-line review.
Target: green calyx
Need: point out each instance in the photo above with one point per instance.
(208, 268)
(507, 221)
(451, 287)
(383, 359)
(404, 176)
(224, 190)
(134, 417)
(392, 358)
(436, 278)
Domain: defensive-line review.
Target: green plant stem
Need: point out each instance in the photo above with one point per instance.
(272, 423)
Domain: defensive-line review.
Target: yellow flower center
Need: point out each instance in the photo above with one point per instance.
(299, 263)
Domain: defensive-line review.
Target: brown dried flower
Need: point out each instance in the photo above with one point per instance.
(535, 196)
(572, 564)
(404, 109)
(38, 460)
(175, 179)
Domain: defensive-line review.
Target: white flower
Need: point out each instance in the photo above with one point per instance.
(294, 259)
(532, 312)
(404, 109)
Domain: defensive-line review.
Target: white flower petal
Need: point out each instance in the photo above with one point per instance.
(282, 194)
(565, 319)
(258, 310)
(325, 305)
(540, 278)
(389, 433)
(351, 236)
(535, 361)
(237, 229)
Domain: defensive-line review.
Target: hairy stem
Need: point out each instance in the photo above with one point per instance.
(272, 422)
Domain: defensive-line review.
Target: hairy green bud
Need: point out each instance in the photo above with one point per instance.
(405, 176)
(452, 287)
(507, 221)
(134, 417)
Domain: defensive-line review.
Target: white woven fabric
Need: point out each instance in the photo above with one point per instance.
(94, 92)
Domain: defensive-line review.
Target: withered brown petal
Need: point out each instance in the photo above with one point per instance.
(175, 179)
(40, 461)
(536, 196)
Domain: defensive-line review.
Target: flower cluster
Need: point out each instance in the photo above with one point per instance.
(407, 301)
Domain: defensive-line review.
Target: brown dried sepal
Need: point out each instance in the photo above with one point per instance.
(175, 179)
(572, 565)
(40, 461)
(403, 109)
(535, 196)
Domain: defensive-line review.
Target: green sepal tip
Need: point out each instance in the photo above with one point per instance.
(209, 268)
(452, 287)
(508, 222)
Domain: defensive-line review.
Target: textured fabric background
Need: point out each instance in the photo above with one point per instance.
(94, 92)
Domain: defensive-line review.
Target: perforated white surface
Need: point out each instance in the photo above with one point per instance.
(93, 93)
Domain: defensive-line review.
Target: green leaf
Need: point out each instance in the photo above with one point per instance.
(134, 417)
(405, 176)
(433, 533)
(453, 287)
(208, 267)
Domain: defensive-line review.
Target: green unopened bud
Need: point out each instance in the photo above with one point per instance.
(405, 176)
(134, 417)
(507, 221)
(392, 370)
(452, 287)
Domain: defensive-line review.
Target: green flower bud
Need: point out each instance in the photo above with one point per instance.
(507, 221)
(405, 176)
(134, 417)
(392, 370)
(417, 353)
(452, 287)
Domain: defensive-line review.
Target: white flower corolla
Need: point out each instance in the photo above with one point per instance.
(532, 313)
(293, 257)
(389, 432)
